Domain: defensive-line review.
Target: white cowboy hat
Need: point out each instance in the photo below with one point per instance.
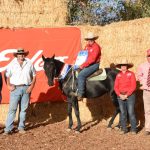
(21, 51)
(124, 62)
(91, 36)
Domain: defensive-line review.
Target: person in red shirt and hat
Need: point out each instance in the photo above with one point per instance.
(125, 85)
(90, 65)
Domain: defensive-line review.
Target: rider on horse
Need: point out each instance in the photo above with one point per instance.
(89, 66)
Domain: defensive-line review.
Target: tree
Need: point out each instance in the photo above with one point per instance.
(132, 10)
(101, 12)
(146, 8)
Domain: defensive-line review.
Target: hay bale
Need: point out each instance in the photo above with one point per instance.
(123, 39)
(37, 13)
(4, 111)
(99, 109)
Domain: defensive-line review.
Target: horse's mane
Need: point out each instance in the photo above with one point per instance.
(59, 64)
(112, 69)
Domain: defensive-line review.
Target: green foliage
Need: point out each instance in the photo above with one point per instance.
(131, 11)
(101, 12)
(138, 9)
(76, 11)
(93, 12)
(146, 8)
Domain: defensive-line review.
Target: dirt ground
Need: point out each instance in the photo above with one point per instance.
(54, 136)
(47, 123)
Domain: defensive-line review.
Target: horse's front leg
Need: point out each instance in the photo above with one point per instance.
(70, 113)
(77, 113)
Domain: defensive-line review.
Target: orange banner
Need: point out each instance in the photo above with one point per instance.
(63, 42)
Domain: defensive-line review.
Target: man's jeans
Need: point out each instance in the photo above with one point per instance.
(127, 106)
(21, 98)
(86, 72)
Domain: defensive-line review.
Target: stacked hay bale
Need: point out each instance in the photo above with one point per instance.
(35, 13)
(127, 39)
(30, 13)
(123, 39)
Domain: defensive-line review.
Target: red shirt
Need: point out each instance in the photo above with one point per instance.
(125, 83)
(94, 55)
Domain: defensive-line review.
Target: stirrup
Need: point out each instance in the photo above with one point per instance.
(73, 94)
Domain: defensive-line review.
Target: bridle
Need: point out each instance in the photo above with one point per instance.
(59, 77)
(52, 63)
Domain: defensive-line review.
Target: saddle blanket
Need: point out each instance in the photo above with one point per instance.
(101, 76)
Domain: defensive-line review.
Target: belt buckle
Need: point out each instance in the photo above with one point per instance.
(20, 85)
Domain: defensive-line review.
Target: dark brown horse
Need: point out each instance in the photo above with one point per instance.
(94, 89)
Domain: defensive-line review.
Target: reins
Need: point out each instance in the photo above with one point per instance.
(59, 78)
(72, 75)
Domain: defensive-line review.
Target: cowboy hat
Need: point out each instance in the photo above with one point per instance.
(124, 62)
(90, 36)
(21, 51)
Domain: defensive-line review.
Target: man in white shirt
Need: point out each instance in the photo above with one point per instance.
(21, 77)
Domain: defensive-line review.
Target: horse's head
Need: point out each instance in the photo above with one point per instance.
(50, 69)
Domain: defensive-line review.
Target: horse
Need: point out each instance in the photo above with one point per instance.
(53, 67)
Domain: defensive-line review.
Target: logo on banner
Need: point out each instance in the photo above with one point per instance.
(36, 59)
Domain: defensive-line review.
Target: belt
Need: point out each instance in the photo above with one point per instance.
(123, 93)
(21, 85)
(146, 90)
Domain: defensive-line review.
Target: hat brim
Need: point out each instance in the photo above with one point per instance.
(25, 53)
(129, 65)
(94, 38)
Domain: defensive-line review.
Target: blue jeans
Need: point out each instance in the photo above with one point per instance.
(86, 72)
(17, 97)
(127, 106)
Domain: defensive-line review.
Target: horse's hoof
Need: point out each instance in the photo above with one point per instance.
(77, 132)
(116, 128)
(84, 100)
(68, 130)
(109, 129)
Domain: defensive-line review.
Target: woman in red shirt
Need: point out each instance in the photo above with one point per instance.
(125, 85)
